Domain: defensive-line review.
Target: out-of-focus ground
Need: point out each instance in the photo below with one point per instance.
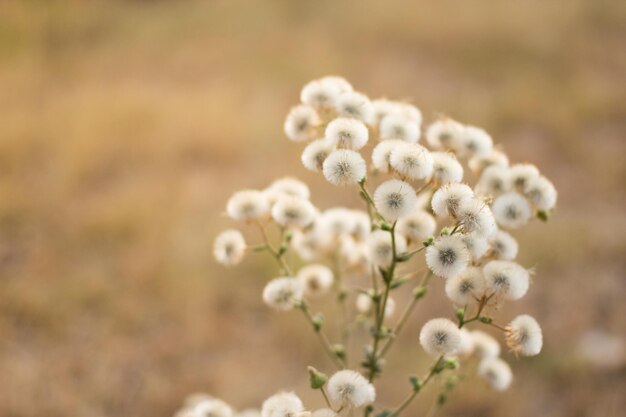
(124, 127)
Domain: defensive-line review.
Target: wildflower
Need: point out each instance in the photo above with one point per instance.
(440, 337)
(444, 134)
(448, 198)
(496, 372)
(347, 133)
(356, 105)
(417, 226)
(494, 181)
(475, 141)
(476, 245)
(282, 293)
(382, 153)
(507, 279)
(503, 245)
(522, 174)
(341, 84)
(311, 244)
(380, 249)
(350, 388)
(478, 163)
(511, 210)
(315, 153)
(283, 404)
(320, 94)
(351, 252)
(446, 168)
(447, 256)
(476, 217)
(338, 220)
(381, 108)
(409, 111)
(361, 226)
(300, 123)
(395, 126)
(467, 344)
(229, 247)
(485, 346)
(412, 161)
(247, 205)
(523, 335)
(212, 408)
(344, 167)
(394, 199)
(315, 279)
(291, 187)
(250, 412)
(294, 212)
(541, 193)
(466, 287)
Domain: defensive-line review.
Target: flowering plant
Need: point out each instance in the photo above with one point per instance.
(421, 203)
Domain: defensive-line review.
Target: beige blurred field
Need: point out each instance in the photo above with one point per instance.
(124, 127)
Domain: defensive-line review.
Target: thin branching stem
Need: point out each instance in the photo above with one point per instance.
(433, 371)
(321, 336)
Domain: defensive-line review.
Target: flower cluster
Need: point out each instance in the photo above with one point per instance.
(444, 190)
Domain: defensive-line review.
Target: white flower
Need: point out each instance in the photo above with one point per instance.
(511, 210)
(506, 279)
(318, 93)
(475, 141)
(447, 256)
(485, 346)
(467, 344)
(440, 337)
(395, 126)
(282, 293)
(361, 226)
(394, 199)
(523, 335)
(466, 287)
(382, 153)
(444, 134)
(341, 84)
(315, 153)
(417, 226)
(494, 181)
(347, 133)
(324, 412)
(283, 404)
(290, 187)
(365, 305)
(479, 162)
(541, 193)
(380, 249)
(521, 174)
(448, 198)
(229, 247)
(476, 217)
(503, 245)
(300, 123)
(496, 372)
(344, 167)
(382, 108)
(356, 105)
(293, 211)
(311, 244)
(250, 412)
(446, 168)
(247, 205)
(315, 279)
(409, 111)
(412, 161)
(338, 220)
(350, 388)
(476, 245)
(212, 408)
(352, 253)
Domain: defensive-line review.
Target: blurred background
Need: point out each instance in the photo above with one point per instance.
(125, 126)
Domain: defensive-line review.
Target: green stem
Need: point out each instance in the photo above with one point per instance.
(328, 348)
(433, 371)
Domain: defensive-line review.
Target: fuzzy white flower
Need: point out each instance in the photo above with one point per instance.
(449, 197)
(447, 256)
(382, 153)
(315, 279)
(381, 108)
(350, 388)
(338, 220)
(324, 412)
(351, 252)
(412, 161)
(311, 244)
(476, 245)
(417, 226)
(229, 247)
(361, 226)
(395, 126)
(485, 346)
(476, 217)
(356, 105)
(475, 141)
(440, 337)
(495, 158)
(347, 133)
(494, 181)
(315, 153)
(446, 168)
(507, 279)
(503, 245)
(409, 111)
(282, 293)
(511, 210)
(212, 408)
(344, 167)
(496, 372)
(290, 187)
(394, 199)
(523, 336)
(466, 287)
(318, 93)
(541, 193)
(250, 412)
(467, 344)
(247, 205)
(444, 134)
(300, 123)
(283, 404)
(380, 249)
(293, 212)
(522, 174)
(341, 84)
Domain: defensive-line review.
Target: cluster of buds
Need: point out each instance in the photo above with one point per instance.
(421, 203)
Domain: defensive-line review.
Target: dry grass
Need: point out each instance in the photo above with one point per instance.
(125, 125)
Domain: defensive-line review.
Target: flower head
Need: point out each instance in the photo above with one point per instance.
(449, 197)
(496, 372)
(541, 193)
(412, 161)
(229, 247)
(300, 123)
(212, 408)
(485, 346)
(417, 226)
(320, 94)
(476, 245)
(396, 126)
(511, 210)
(394, 199)
(382, 153)
(344, 167)
(475, 141)
(447, 256)
(476, 217)
(350, 388)
(315, 153)
(282, 293)
(503, 245)
(479, 162)
(444, 134)
(468, 286)
(347, 133)
(315, 279)
(247, 205)
(440, 337)
(506, 279)
(283, 404)
(522, 174)
(446, 168)
(494, 181)
(523, 335)
(293, 212)
(356, 105)
(380, 250)
(291, 187)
